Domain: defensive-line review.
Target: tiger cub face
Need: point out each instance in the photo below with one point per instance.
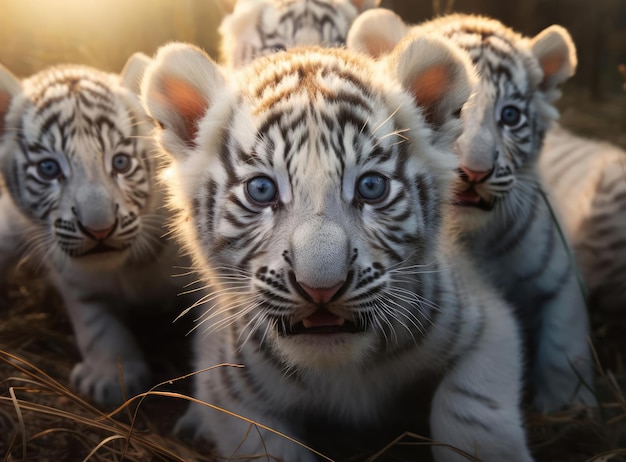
(310, 188)
(259, 27)
(76, 157)
(508, 113)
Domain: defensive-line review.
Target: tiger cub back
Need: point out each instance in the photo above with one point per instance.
(312, 193)
(585, 179)
(79, 164)
(257, 27)
(499, 212)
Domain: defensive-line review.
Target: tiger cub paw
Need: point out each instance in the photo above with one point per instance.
(103, 382)
(190, 427)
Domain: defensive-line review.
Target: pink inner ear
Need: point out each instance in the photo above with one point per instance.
(429, 86)
(5, 102)
(377, 46)
(188, 103)
(551, 64)
(360, 4)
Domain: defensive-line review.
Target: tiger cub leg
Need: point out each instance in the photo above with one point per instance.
(476, 408)
(563, 371)
(110, 355)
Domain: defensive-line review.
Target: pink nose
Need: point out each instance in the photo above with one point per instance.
(475, 176)
(100, 234)
(322, 295)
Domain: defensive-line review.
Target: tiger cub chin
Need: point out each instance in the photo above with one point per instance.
(313, 185)
(257, 27)
(499, 211)
(81, 171)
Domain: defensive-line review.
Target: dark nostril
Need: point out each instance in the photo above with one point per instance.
(321, 295)
(474, 176)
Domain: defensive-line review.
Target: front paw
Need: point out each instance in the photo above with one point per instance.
(103, 381)
(234, 438)
(190, 428)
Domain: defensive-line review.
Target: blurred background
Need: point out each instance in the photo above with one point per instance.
(103, 33)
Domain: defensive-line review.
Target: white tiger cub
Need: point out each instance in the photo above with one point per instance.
(499, 211)
(258, 27)
(585, 179)
(313, 197)
(78, 161)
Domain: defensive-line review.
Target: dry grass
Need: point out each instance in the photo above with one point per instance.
(42, 420)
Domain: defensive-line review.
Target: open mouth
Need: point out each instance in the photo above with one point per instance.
(321, 322)
(100, 248)
(470, 198)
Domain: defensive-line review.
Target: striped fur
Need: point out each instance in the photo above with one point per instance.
(79, 164)
(312, 193)
(258, 27)
(585, 179)
(499, 213)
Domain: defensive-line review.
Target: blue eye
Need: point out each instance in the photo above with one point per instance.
(372, 187)
(121, 163)
(49, 169)
(510, 115)
(261, 190)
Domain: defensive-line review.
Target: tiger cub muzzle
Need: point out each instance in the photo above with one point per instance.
(470, 190)
(322, 321)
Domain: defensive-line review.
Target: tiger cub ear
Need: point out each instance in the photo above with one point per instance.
(438, 75)
(180, 85)
(10, 87)
(238, 28)
(133, 71)
(554, 49)
(376, 32)
(362, 5)
(227, 6)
